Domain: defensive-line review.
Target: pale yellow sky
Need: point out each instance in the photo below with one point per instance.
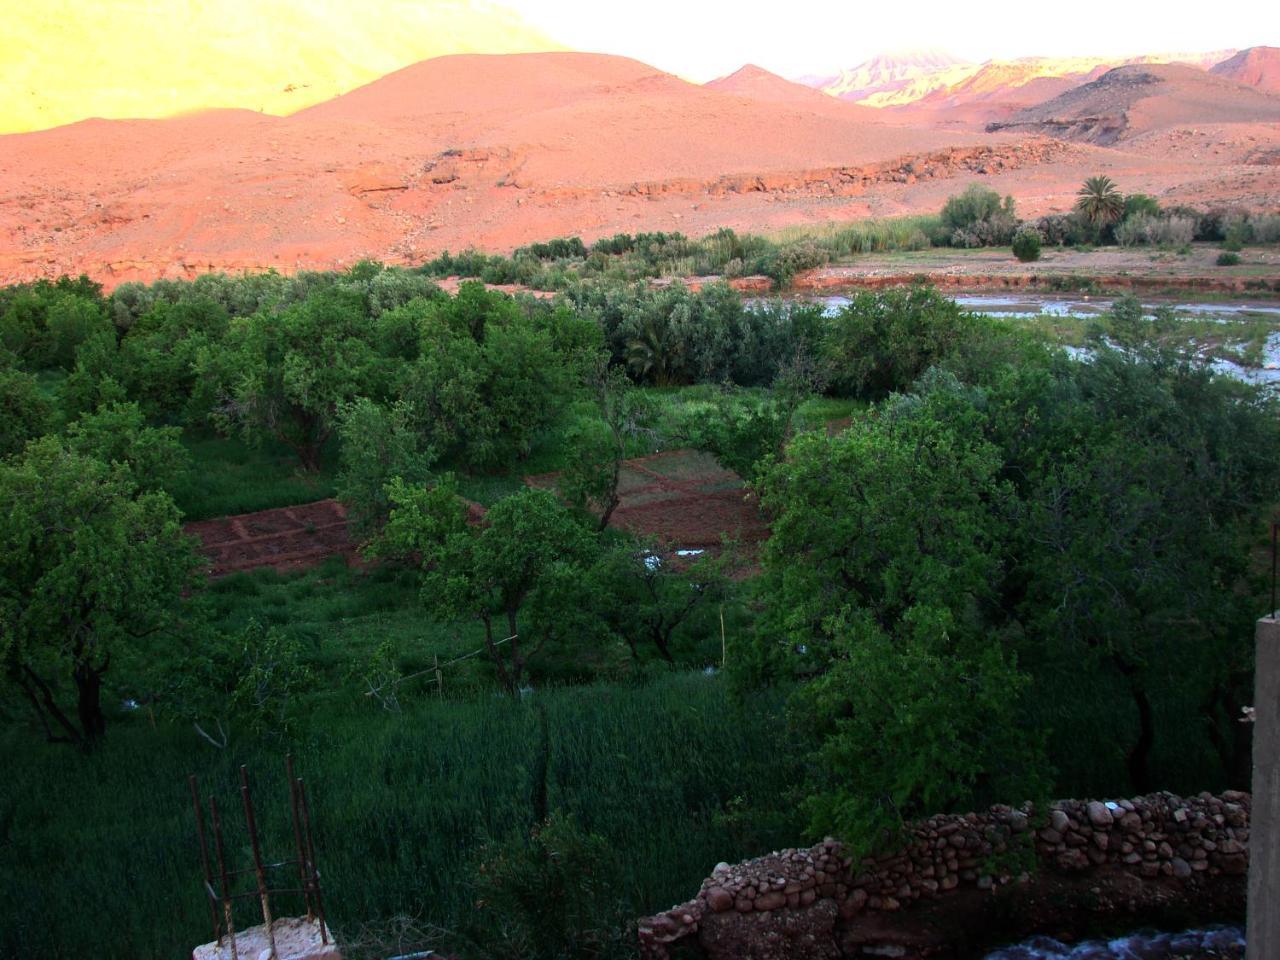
(701, 40)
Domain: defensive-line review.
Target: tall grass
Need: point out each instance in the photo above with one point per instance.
(98, 854)
(866, 236)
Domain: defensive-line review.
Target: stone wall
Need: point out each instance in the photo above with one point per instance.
(955, 873)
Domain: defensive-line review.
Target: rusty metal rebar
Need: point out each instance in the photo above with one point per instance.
(311, 860)
(303, 873)
(305, 861)
(259, 871)
(216, 823)
(204, 858)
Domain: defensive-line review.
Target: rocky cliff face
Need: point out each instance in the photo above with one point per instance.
(960, 883)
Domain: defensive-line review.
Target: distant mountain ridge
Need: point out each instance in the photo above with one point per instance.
(937, 80)
(759, 84)
(888, 73)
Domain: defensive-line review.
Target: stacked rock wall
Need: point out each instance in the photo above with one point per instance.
(820, 902)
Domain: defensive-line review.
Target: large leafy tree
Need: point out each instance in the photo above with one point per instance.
(521, 572)
(487, 378)
(24, 412)
(92, 571)
(881, 342)
(1142, 478)
(284, 375)
(1099, 202)
(888, 543)
(379, 443)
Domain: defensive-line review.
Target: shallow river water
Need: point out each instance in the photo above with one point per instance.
(1210, 943)
(1029, 306)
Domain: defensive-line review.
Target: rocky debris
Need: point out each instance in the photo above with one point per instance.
(849, 181)
(822, 903)
(296, 938)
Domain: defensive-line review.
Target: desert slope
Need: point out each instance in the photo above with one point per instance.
(1133, 100)
(497, 151)
(1255, 67)
(162, 57)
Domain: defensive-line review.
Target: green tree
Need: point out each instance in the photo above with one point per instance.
(485, 401)
(379, 443)
(117, 434)
(881, 342)
(521, 573)
(650, 593)
(978, 217)
(285, 375)
(24, 412)
(249, 680)
(551, 896)
(92, 572)
(887, 548)
(599, 444)
(1099, 202)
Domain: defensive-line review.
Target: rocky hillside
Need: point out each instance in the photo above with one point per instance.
(1137, 99)
(1256, 67)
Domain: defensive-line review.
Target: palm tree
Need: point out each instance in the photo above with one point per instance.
(1099, 202)
(655, 353)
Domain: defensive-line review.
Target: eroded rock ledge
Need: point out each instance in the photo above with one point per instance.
(962, 883)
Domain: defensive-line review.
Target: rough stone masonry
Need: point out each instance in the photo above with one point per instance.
(957, 879)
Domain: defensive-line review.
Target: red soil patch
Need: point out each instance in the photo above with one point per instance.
(684, 500)
(287, 538)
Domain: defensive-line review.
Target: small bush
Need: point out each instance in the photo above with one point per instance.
(1162, 231)
(1228, 258)
(978, 218)
(1026, 244)
(1266, 228)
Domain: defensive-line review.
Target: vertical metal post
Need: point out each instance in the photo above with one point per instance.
(204, 859)
(222, 870)
(439, 677)
(1275, 525)
(1263, 934)
(304, 875)
(311, 859)
(258, 869)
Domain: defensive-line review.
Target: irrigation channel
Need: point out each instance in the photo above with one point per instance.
(1055, 307)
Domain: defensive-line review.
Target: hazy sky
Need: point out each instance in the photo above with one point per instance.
(701, 40)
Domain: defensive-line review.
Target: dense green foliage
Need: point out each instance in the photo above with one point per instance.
(995, 572)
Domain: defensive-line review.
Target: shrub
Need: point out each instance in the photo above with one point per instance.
(1266, 228)
(551, 896)
(1228, 259)
(1026, 244)
(977, 217)
(1172, 230)
(1140, 203)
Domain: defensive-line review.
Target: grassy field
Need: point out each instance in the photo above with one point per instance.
(100, 855)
